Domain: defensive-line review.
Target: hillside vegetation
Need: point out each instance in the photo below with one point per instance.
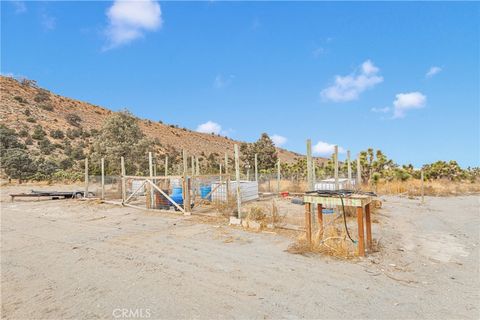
(57, 129)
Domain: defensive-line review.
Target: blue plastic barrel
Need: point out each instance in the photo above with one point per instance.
(177, 190)
(327, 211)
(177, 197)
(205, 191)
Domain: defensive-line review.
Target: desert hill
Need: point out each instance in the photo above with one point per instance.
(25, 106)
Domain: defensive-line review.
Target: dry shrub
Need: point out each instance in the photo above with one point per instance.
(431, 188)
(332, 242)
(256, 213)
(225, 208)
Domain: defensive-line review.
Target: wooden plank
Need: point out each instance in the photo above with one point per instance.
(227, 186)
(352, 201)
(278, 176)
(237, 176)
(256, 167)
(102, 165)
(336, 168)
(150, 171)
(320, 219)
(310, 185)
(349, 167)
(358, 183)
(168, 197)
(166, 166)
(134, 192)
(124, 182)
(86, 178)
(308, 222)
(368, 226)
(422, 186)
(186, 189)
(361, 232)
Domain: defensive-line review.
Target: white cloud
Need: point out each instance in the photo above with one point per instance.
(380, 110)
(222, 81)
(128, 20)
(278, 140)
(325, 148)
(48, 22)
(433, 71)
(348, 88)
(209, 127)
(408, 101)
(20, 6)
(317, 52)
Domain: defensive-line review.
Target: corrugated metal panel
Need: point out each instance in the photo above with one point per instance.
(248, 190)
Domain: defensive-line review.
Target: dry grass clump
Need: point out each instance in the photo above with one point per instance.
(225, 208)
(431, 188)
(256, 213)
(332, 242)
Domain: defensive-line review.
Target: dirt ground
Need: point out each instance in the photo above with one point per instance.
(82, 259)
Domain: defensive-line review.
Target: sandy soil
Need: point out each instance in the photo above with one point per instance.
(77, 259)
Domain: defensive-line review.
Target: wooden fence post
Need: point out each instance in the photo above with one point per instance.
(227, 182)
(422, 187)
(86, 179)
(237, 177)
(124, 182)
(310, 185)
(186, 191)
(256, 167)
(166, 166)
(102, 165)
(150, 172)
(278, 177)
(349, 168)
(359, 173)
(336, 168)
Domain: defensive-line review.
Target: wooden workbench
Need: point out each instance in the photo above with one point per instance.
(359, 201)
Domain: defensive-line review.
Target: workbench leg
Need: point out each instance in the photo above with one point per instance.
(308, 222)
(368, 226)
(320, 219)
(361, 232)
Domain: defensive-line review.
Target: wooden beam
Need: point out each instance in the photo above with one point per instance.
(186, 190)
(358, 183)
(85, 195)
(150, 171)
(278, 176)
(166, 166)
(422, 186)
(237, 177)
(256, 167)
(135, 192)
(336, 168)
(310, 186)
(361, 232)
(349, 167)
(227, 185)
(308, 222)
(124, 182)
(168, 197)
(102, 165)
(368, 226)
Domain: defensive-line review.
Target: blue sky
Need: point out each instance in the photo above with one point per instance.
(401, 77)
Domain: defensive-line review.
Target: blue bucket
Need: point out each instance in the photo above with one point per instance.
(204, 192)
